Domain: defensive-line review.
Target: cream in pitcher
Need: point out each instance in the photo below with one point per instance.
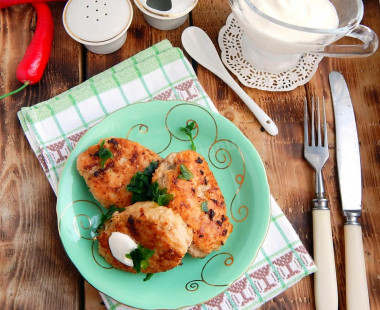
(278, 32)
(318, 14)
(305, 13)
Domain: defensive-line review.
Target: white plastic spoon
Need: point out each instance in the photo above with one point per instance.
(200, 47)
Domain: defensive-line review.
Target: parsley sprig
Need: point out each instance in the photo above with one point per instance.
(104, 154)
(143, 189)
(188, 132)
(140, 257)
(185, 173)
(108, 215)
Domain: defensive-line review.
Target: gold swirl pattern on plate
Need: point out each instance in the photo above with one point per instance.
(182, 137)
(194, 284)
(222, 155)
(223, 160)
(167, 146)
(78, 218)
(243, 209)
(96, 256)
(142, 128)
(171, 135)
(84, 226)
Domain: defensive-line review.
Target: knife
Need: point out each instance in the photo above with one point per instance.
(350, 184)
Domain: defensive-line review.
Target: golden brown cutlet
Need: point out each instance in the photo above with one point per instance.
(155, 227)
(198, 200)
(108, 184)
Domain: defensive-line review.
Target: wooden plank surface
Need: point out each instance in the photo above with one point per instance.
(35, 272)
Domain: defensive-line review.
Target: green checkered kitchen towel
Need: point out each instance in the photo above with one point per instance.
(54, 127)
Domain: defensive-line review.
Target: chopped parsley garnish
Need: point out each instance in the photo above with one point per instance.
(188, 132)
(164, 199)
(148, 276)
(204, 206)
(185, 173)
(151, 168)
(140, 257)
(104, 154)
(108, 215)
(140, 184)
(143, 189)
(160, 195)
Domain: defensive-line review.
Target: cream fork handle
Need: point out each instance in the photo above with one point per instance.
(325, 284)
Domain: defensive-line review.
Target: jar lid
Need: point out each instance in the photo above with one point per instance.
(96, 21)
(166, 8)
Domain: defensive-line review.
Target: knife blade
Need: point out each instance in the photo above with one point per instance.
(350, 185)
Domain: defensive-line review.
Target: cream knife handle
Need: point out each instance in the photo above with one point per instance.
(325, 285)
(356, 280)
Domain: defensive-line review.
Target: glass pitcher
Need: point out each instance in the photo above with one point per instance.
(270, 44)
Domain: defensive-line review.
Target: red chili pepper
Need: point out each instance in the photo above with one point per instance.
(32, 66)
(7, 3)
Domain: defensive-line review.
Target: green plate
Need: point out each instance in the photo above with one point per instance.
(240, 174)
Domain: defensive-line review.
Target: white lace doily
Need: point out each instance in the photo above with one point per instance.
(232, 56)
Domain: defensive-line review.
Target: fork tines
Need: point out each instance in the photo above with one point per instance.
(317, 124)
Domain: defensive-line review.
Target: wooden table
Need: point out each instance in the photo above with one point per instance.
(35, 270)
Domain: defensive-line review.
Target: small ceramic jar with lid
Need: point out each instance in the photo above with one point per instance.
(101, 25)
(165, 14)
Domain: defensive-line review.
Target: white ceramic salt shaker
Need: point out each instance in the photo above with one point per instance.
(101, 25)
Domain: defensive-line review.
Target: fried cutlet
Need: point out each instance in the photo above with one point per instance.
(156, 228)
(108, 183)
(198, 200)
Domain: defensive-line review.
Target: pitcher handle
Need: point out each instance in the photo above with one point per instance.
(364, 34)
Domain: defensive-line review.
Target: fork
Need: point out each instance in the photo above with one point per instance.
(317, 153)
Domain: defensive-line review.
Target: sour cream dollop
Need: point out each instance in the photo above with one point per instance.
(120, 245)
